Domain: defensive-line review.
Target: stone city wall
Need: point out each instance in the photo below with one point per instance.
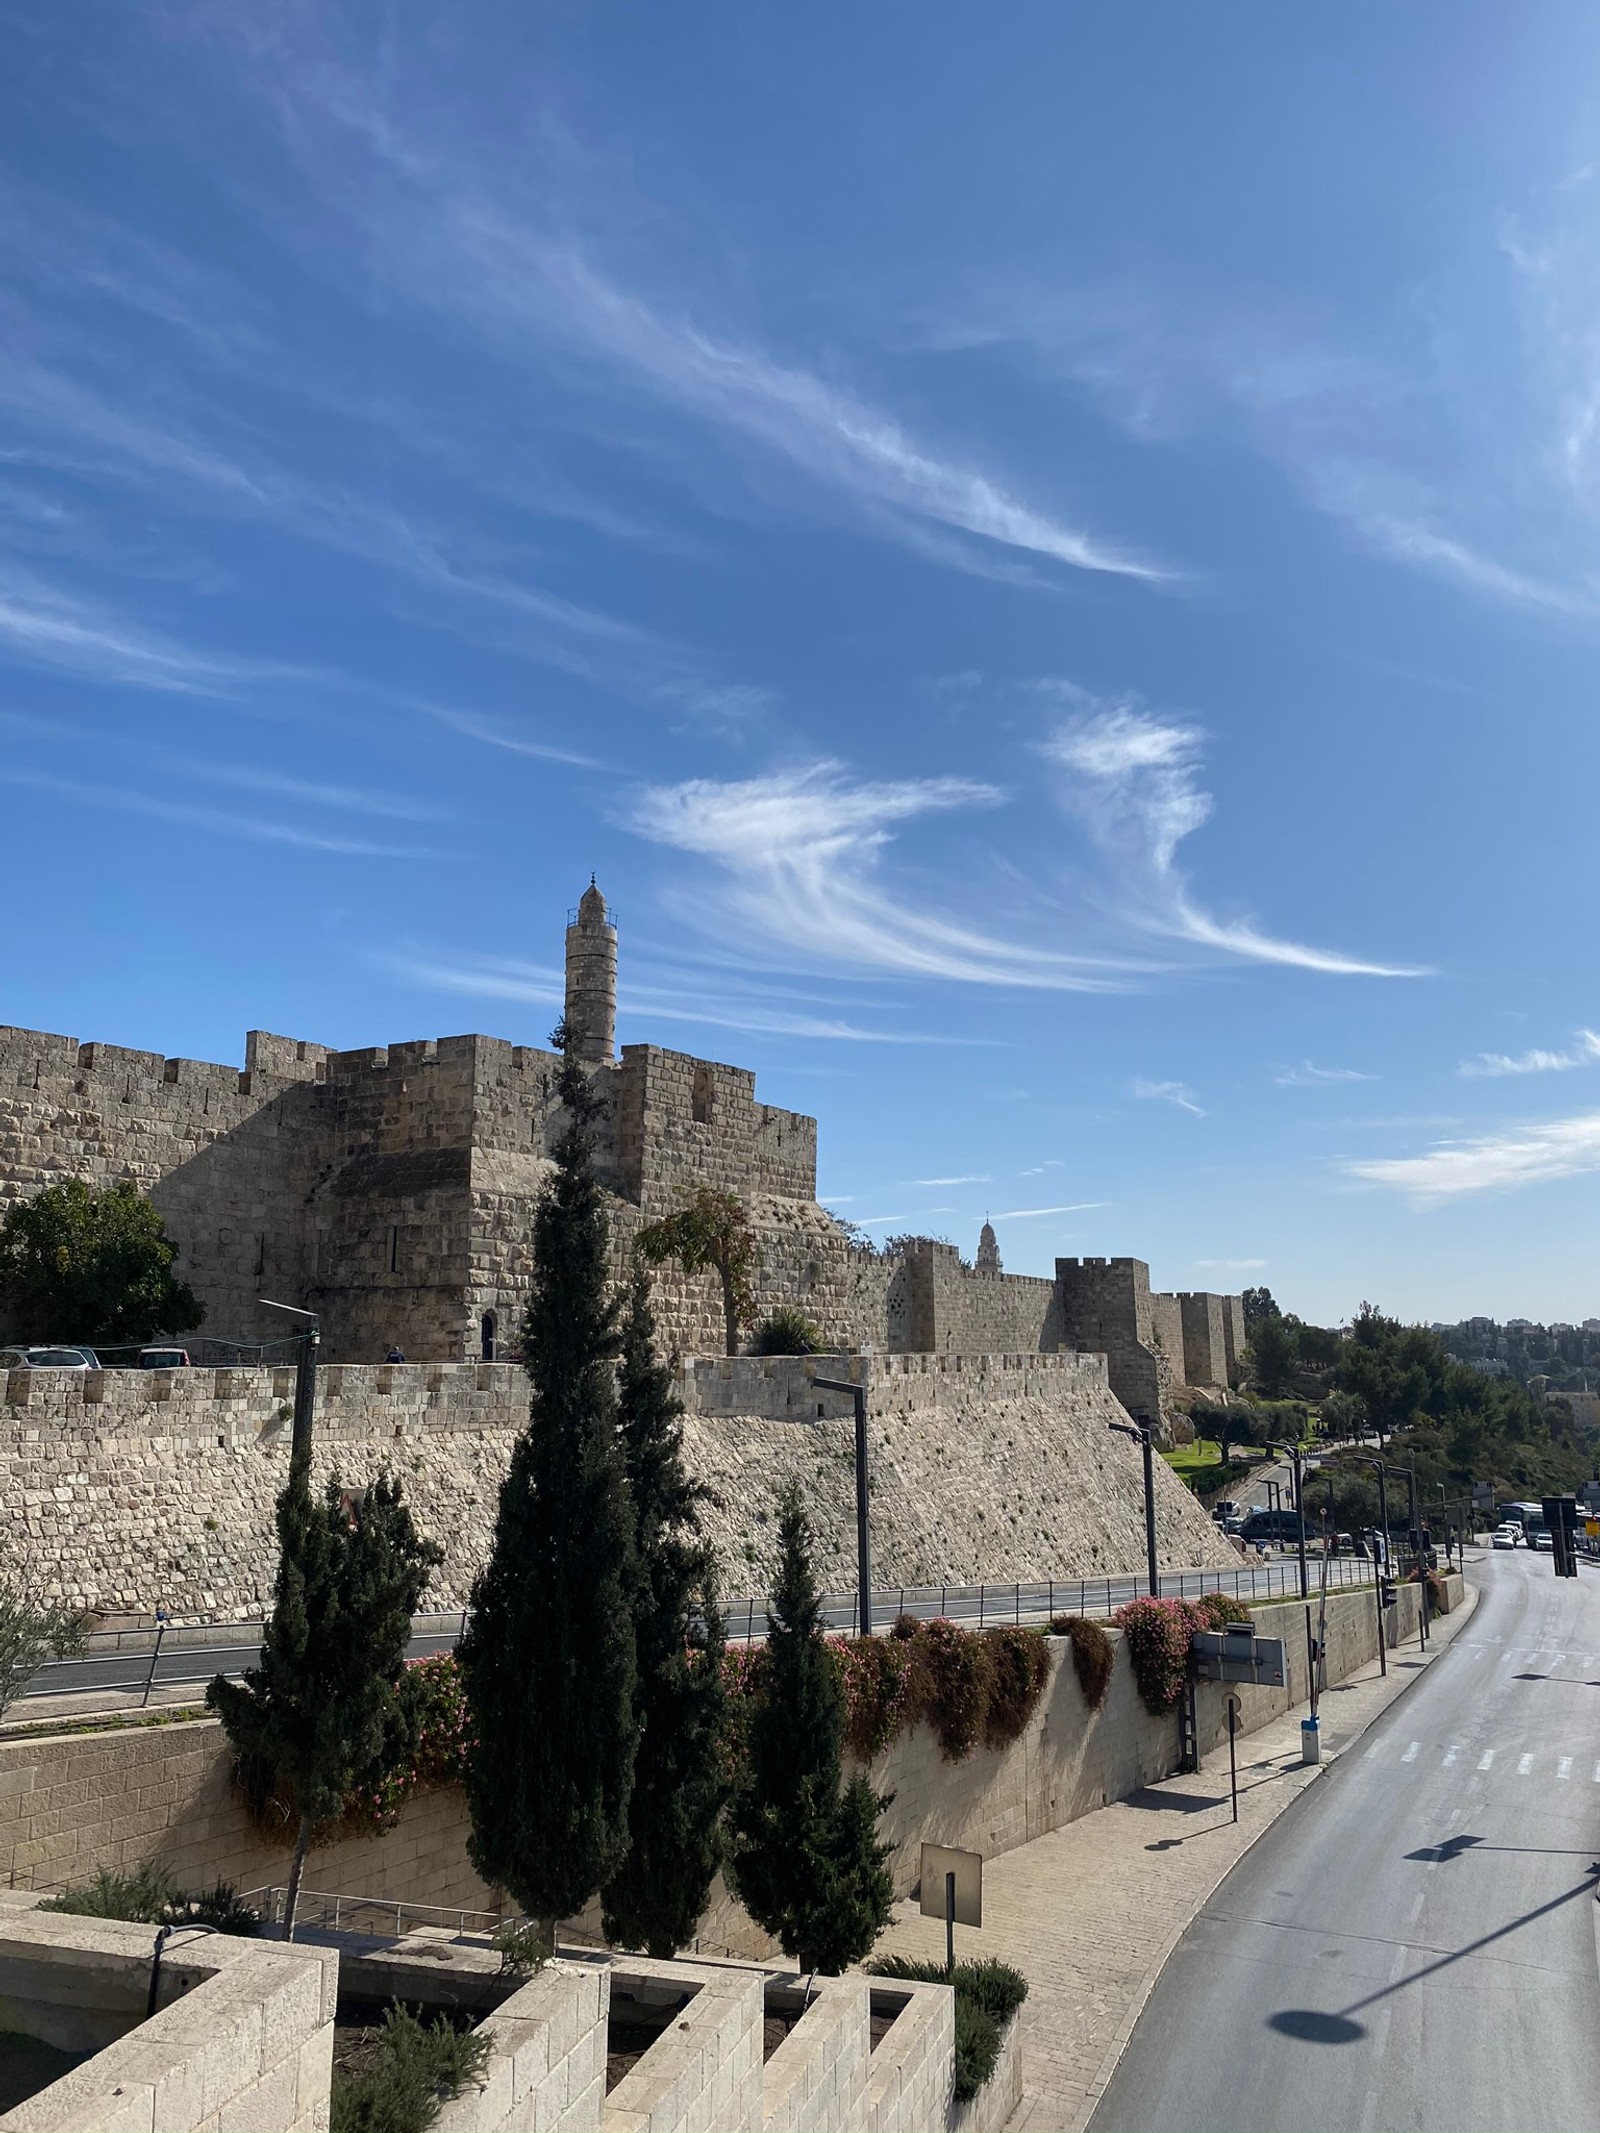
(123, 1490)
(392, 1190)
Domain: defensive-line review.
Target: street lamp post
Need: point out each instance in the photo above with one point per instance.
(1294, 1453)
(1418, 1557)
(1380, 1570)
(858, 1393)
(305, 1374)
(1145, 1437)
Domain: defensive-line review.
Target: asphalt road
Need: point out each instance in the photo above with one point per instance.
(128, 1670)
(1413, 1944)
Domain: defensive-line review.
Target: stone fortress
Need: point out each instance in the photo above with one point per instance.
(391, 1191)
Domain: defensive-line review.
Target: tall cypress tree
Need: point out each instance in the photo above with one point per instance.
(548, 1656)
(806, 1860)
(313, 1717)
(654, 1899)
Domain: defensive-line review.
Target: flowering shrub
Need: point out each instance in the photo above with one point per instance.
(1159, 1633)
(1219, 1609)
(427, 1746)
(876, 1676)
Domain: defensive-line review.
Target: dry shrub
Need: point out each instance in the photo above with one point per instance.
(1093, 1656)
(1021, 1667)
(954, 1669)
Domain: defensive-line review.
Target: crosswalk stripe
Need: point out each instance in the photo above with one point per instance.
(1597, 1773)
(1487, 1758)
(1564, 1767)
(1524, 1766)
(1450, 1757)
(1410, 1755)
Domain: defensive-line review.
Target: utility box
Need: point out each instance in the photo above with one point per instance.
(1238, 1654)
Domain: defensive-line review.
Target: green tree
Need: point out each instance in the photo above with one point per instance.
(313, 1718)
(711, 1230)
(1225, 1423)
(1258, 1304)
(680, 1787)
(76, 1264)
(1271, 1356)
(32, 1630)
(548, 1656)
(806, 1859)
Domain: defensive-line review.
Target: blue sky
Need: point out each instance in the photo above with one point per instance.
(1048, 558)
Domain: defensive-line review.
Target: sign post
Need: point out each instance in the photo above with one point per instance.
(952, 1889)
(1234, 1701)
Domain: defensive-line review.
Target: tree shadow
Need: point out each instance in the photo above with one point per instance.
(1311, 2027)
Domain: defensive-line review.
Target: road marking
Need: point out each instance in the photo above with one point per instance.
(1487, 1758)
(1450, 1757)
(1370, 1753)
(1410, 1755)
(1564, 1767)
(1597, 1773)
(1524, 1766)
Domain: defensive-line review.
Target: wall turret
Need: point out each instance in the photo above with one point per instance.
(591, 1009)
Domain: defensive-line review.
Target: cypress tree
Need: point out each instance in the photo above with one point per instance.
(548, 1655)
(654, 1899)
(313, 1718)
(806, 1860)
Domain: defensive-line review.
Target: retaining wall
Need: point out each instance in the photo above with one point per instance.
(122, 1490)
(70, 1803)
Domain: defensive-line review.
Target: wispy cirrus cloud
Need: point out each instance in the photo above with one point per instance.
(798, 859)
(47, 626)
(1028, 1214)
(217, 821)
(1132, 782)
(1583, 1051)
(533, 984)
(474, 256)
(1524, 1155)
(1231, 1266)
(1307, 1076)
(1168, 1092)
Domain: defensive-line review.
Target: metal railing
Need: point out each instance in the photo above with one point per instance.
(322, 1908)
(134, 1663)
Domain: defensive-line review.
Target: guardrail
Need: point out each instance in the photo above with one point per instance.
(134, 1663)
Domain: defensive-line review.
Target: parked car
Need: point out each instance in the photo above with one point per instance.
(1274, 1528)
(1505, 1536)
(1225, 1510)
(48, 1359)
(1542, 1543)
(167, 1358)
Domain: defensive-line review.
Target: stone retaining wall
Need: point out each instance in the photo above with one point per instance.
(123, 1490)
(73, 1802)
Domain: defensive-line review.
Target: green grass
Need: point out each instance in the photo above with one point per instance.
(1188, 1459)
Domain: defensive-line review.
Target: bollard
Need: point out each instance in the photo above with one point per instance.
(1310, 1741)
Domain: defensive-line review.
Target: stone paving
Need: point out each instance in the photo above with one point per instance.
(1091, 1912)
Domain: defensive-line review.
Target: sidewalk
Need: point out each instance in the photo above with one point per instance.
(1090, 1913)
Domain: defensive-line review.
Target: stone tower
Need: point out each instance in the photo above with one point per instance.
(988, 1261)
(592, 982)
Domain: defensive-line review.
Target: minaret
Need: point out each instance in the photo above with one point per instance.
(988, 1261)
(592, 982)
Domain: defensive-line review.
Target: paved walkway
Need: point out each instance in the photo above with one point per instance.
(1091, 1912)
